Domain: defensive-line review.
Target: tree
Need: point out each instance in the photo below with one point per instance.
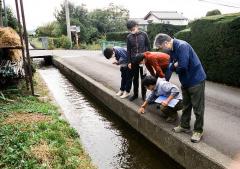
(111, 19)
(213, 12)
(78, 17)
(52, 29)
(12, 20)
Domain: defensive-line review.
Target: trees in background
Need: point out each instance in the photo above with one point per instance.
(94, 25)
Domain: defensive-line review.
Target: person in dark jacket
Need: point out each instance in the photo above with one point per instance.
(121, 57)
(156, 62)
(192, 77)
(137, 42)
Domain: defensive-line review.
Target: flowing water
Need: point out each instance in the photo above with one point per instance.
(110, 142)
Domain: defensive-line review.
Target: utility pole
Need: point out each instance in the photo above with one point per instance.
(1, 19)
(68, 21)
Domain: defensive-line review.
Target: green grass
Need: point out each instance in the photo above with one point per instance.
(34, 143)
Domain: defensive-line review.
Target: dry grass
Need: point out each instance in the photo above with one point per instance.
(26, 118)
(43, 153)
(9, 38)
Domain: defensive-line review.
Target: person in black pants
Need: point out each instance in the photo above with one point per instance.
(137, 42)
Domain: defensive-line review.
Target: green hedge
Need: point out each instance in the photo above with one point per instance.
(62, 42)
(117, 36)
(184, 34)
(216, 39)
(154, 29)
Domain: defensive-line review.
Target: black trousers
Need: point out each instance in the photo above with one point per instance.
(136, 69)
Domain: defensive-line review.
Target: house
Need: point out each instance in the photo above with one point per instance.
(166, 17)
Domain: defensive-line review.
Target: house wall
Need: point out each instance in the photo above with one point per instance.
(166, 21)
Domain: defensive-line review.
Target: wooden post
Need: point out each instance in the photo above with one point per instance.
(22, 44)
(27, 47)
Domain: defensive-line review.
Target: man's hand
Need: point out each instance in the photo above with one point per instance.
(141, 110)
(130, 66)
(176, 64)
(165, 103)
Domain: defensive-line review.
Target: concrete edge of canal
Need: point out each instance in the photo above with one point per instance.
(177, 146)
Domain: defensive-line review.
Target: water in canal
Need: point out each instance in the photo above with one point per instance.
(110, 142)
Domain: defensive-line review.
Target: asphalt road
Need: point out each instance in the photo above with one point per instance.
(222, 115)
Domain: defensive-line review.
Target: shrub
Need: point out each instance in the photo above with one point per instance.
(117, 36)
(213, 12)
(217, 43)
(154, 29)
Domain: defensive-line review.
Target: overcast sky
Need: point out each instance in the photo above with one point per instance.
(39, 12)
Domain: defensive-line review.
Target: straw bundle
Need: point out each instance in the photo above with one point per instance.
(9, 38)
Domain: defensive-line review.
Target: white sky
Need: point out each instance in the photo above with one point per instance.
(39, 12)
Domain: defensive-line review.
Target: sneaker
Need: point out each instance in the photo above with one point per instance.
(133, 97)
(196, 137)
(120, 93)
(125, 94)
(179, 129)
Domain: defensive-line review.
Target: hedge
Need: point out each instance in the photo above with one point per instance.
(154, 29)
(184, 34)
(117, 36)
(216, 39)
(62, 42)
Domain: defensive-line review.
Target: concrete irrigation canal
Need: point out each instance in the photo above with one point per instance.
(110, 141)
(106, 123)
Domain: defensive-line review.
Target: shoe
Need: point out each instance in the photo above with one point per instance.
(133, 97)
(179, 129)
(120, 93)
(125, 94)
(196, 137)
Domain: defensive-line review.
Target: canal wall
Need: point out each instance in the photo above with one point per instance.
(177, 146)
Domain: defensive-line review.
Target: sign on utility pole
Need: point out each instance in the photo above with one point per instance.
(1, 19)
(68, 21)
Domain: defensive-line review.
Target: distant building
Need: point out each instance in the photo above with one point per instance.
(164, 17)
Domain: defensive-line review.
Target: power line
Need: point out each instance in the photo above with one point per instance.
(221, 4)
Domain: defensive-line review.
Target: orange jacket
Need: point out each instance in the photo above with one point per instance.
(155, 62)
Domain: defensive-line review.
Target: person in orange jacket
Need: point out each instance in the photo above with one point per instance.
(156, 62)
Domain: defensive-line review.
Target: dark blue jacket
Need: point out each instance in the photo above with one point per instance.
(189, 70)
(121, 55)
(137, 43)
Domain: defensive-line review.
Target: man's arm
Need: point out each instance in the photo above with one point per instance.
(173, 90)
(143, 107)
(150, 69)
(158, 68)
(182, 59)
(129, 50)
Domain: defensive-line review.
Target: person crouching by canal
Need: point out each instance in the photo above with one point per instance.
(192, 77)
(156, 62)
(121, 58)
(161, 87)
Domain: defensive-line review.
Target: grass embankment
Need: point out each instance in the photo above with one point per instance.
(33, 136)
